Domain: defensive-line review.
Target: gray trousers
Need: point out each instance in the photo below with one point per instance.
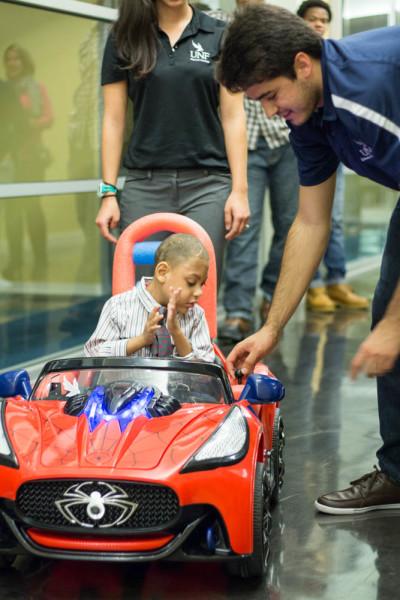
(196, 193)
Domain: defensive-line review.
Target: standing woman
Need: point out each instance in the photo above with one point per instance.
(187, 153)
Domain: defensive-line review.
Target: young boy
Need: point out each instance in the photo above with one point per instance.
(132, 323)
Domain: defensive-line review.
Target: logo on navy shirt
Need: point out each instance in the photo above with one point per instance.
(199, 54)
(365, 151)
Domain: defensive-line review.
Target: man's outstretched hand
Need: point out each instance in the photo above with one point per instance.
(247, 353)
(379, 351)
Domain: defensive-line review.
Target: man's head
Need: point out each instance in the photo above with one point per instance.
(317, 14)
(181, 262)
(274, 57)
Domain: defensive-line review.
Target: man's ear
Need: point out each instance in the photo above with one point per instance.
(161, 271)
(303, 66)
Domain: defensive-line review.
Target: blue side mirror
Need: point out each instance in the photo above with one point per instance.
(15, 383)
(261, 389)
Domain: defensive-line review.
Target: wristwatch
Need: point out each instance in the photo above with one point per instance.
(105, 188)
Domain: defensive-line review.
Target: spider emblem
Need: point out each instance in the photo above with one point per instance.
(96, 497)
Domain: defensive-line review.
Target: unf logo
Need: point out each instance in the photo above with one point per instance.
(95, 497)
(365, 151)
(199, 54)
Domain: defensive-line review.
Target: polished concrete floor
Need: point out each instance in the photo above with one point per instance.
(332, 436)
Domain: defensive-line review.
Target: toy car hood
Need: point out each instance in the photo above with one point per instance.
(44, 437)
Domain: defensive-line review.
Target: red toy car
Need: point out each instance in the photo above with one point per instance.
(133, 459)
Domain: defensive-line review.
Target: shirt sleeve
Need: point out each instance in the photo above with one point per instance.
(106, 338)
(112, 69)
(202, 348)
(315, 158)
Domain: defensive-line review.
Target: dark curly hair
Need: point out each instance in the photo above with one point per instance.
(261, 44)
(307, 4)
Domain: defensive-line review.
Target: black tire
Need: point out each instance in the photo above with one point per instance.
(278, 464)
(256, 564)
(6, 561)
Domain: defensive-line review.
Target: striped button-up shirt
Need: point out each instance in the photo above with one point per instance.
(124, 316)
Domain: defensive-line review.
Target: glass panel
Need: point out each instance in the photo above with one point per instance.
(368, 207)
(361, 16)
(50, 92)
(51, 260)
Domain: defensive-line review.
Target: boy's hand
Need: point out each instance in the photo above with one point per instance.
(172, 314)
(152, 324)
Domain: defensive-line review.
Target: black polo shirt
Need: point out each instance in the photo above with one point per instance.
(175, 107)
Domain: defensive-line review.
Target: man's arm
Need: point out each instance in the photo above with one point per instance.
(305, 245)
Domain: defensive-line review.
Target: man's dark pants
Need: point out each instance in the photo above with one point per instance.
(389, 385)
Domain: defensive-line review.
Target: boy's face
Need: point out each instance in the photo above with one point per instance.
(292, 99)
(189, 276)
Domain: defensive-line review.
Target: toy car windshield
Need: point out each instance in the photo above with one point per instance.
(119, 384)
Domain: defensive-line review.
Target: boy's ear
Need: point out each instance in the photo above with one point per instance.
(161, 271)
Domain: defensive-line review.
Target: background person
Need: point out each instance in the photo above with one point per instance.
(326, 296)
(332, 93)
(189, 134)
(271, 166)
(29, 161)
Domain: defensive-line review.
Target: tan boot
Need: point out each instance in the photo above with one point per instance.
(342, 294)
(318, 300)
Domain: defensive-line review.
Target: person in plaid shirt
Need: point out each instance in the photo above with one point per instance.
(271, 165)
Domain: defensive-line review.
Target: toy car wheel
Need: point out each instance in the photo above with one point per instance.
(278, 464)
(256, 564)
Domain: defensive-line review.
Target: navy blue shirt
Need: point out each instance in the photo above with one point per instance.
(359, 123)
(175, 107)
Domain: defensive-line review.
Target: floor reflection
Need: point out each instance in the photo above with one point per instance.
(332, 435)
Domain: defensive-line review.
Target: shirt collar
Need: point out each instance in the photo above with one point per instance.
(199, 22)
(202, 21)
(328, 110)
(144, 295)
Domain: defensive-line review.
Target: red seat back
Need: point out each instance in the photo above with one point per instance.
(138, 231)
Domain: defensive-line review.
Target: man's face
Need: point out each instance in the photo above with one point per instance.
(293, 100)
(318, 19)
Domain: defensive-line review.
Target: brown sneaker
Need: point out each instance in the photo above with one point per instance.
(342, 294)
(373, 491)
(318, 300)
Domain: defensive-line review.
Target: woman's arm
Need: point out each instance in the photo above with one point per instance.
(233, 120)
(115, 104)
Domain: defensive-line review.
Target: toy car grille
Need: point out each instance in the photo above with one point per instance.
(68, 504)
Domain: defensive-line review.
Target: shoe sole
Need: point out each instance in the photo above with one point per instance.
(330, 510)
(350, 307)
(320, 310)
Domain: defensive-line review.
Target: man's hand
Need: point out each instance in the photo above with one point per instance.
(108, 217)
(379, 351)
(172, 315)
(152, 324)
(247, 353)
(236, 213)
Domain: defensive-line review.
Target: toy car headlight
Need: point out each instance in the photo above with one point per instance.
(227, 445)
(7, 456)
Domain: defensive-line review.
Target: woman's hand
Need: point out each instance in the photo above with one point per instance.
(108, 217)
(237, 214)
